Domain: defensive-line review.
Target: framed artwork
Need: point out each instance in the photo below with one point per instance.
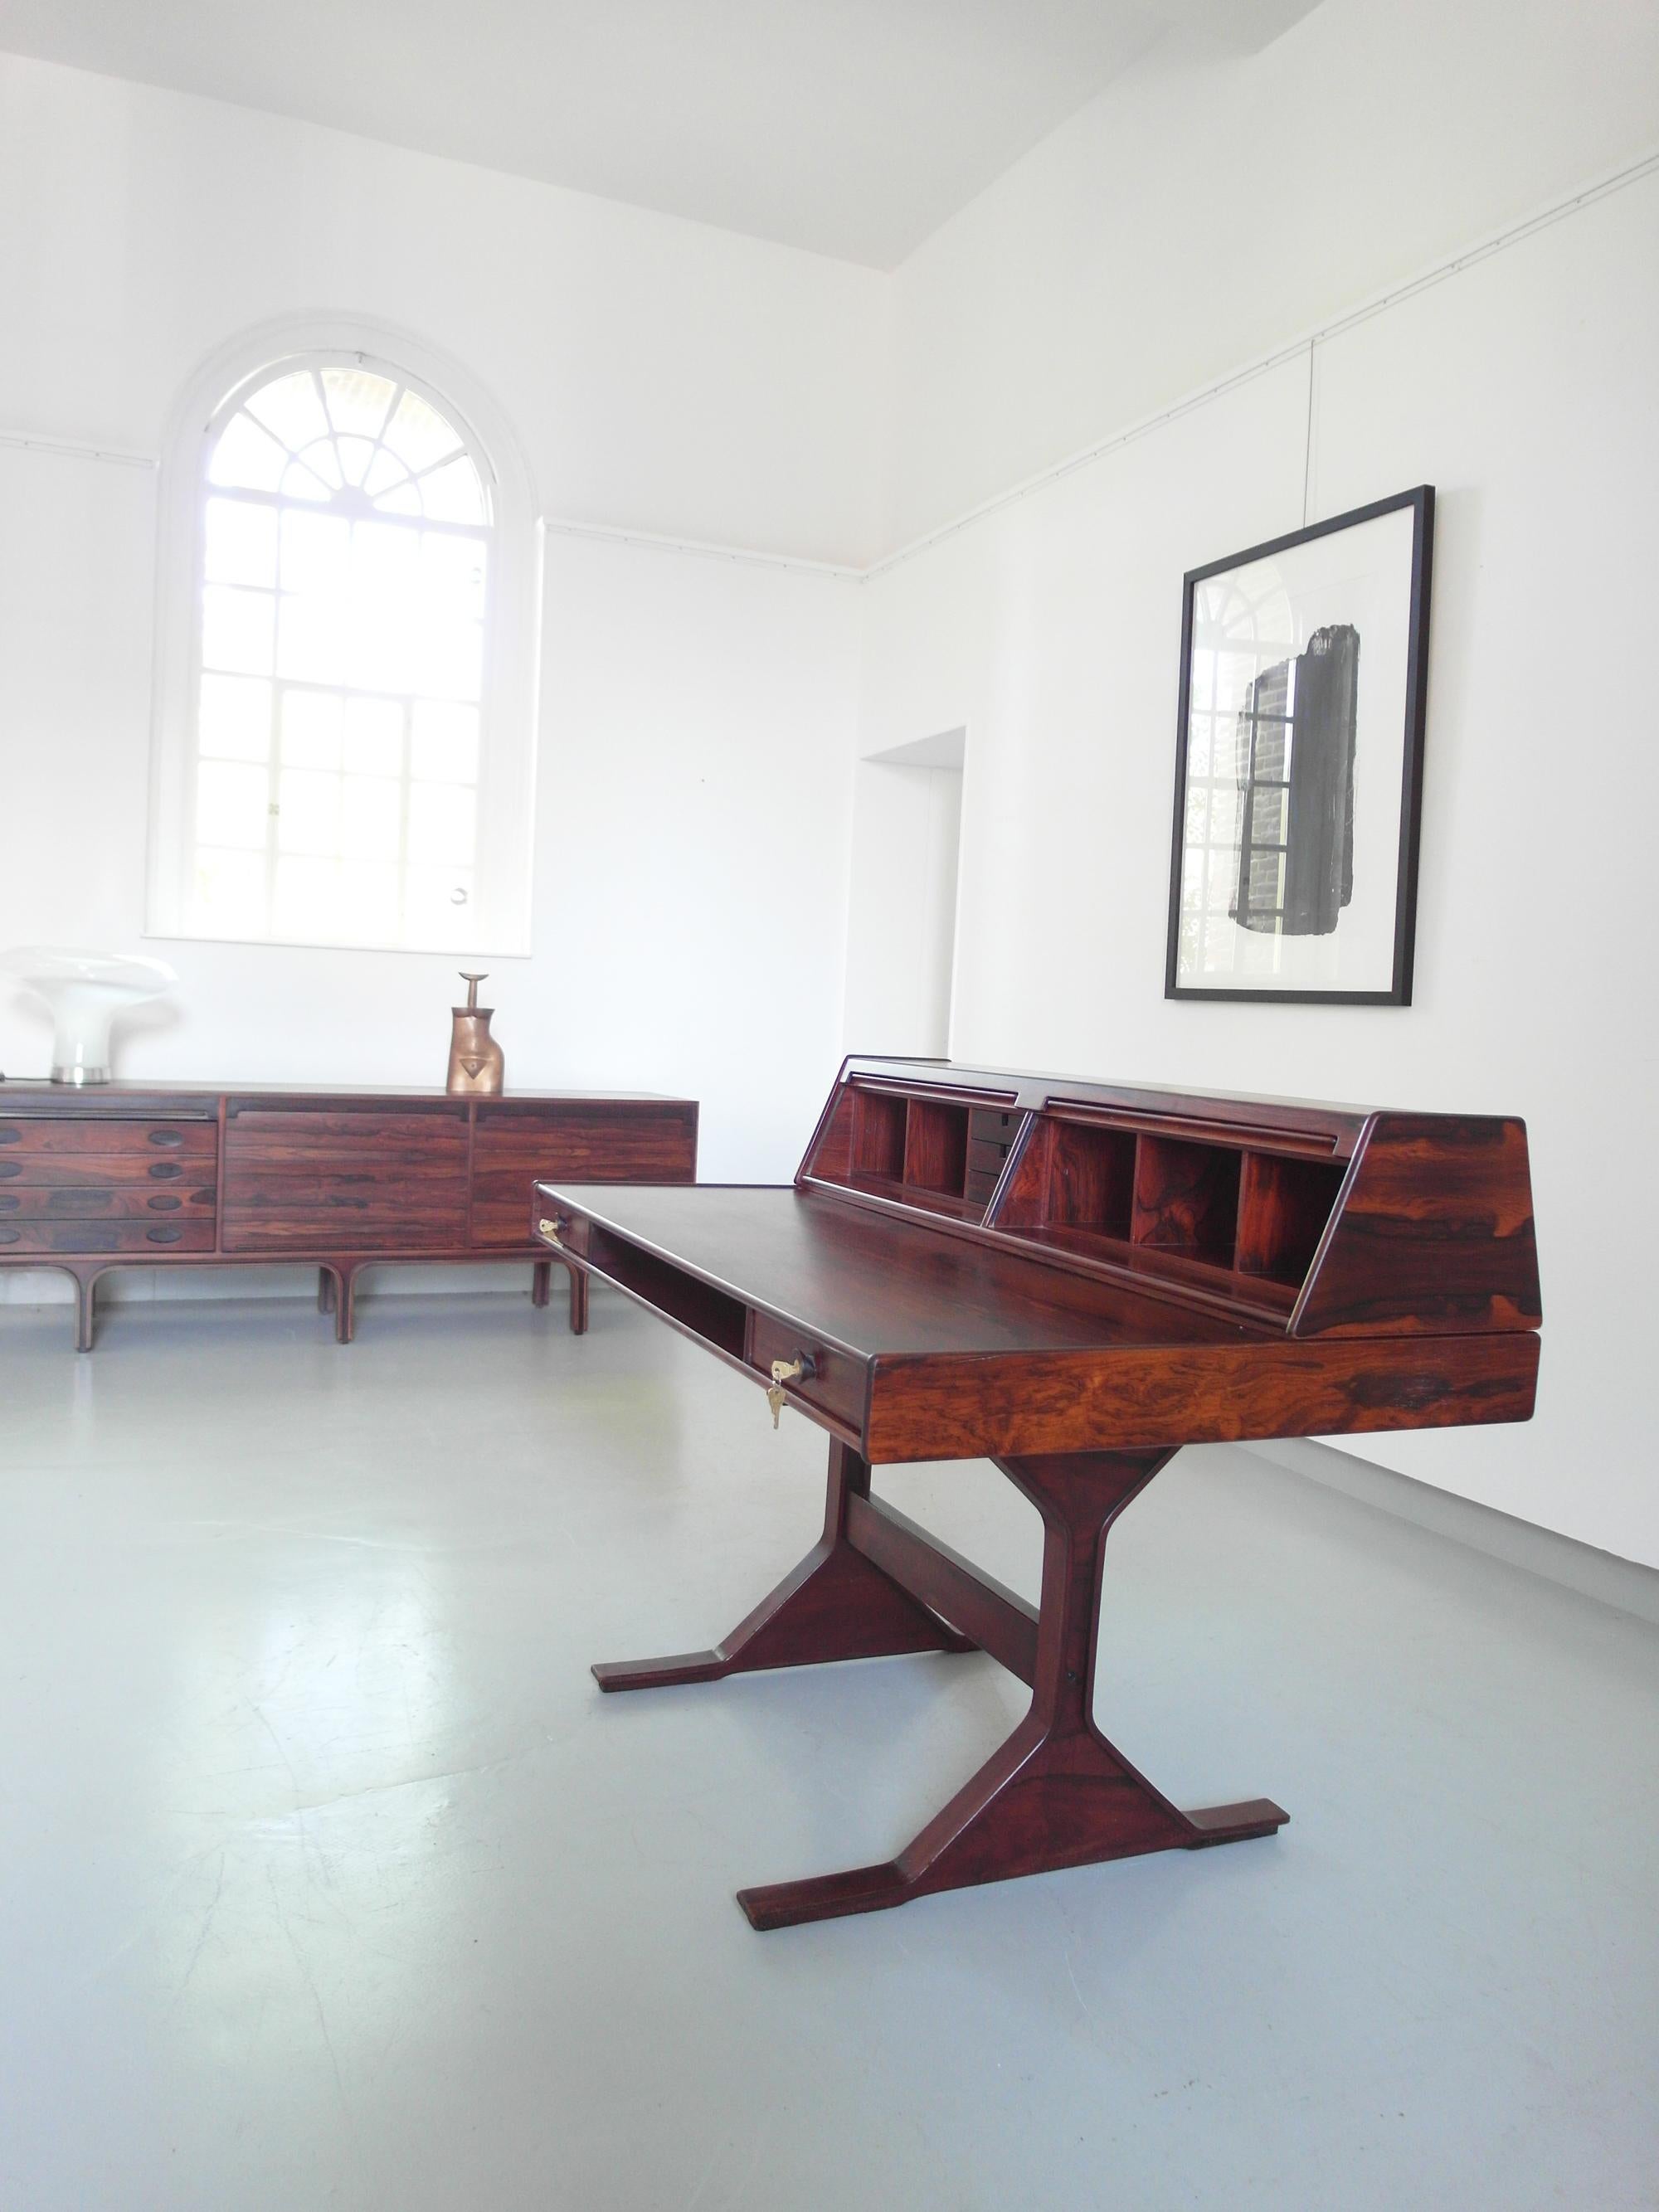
(1299, 763)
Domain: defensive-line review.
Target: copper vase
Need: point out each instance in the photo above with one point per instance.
(477, 1067)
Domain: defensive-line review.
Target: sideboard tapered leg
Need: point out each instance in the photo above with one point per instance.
(326, 1290)
(578, 1302)
(85, 1308)
(541, 1282)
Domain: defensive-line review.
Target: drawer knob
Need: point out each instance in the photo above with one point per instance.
(164, 1236)
(170, 1138)
(788, 1370)
(166, 1171)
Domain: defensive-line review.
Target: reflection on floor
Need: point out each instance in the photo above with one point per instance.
(333, 1880)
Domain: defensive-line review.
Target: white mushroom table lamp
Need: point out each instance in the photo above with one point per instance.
(85, 991)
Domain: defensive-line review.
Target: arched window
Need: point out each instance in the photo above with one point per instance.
(345, 737)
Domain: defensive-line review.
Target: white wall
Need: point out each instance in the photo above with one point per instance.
(697, 714)
(1207, 207)
(1521, 387)
(902, 898)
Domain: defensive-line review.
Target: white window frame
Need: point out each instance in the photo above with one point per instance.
(496, 922)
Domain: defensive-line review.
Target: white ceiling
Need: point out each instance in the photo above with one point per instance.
(850, 127)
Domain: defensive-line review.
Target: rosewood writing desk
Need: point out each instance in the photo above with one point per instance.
(1073, 1280)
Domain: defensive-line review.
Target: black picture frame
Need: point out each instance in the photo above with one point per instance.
(1420, 502)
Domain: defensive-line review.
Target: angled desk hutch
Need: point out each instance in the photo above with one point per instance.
(1072, 1280)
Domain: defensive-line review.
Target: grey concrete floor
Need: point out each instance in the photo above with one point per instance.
(332, 1880)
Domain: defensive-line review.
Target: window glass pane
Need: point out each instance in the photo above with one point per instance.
(298, 483)
(385, 617)
(417, 433)
(441, 827)
(449, 660)
(323, 459)
(292, 408)
(230, 892)
(232, 805)
(236, 629)
(355, 454)
(315, 550)
(369, 898)
(438, 905)
(404, 500)
(383, 471)
(241, 543)
(453, 493)
(248, 456)
(309, 817)
(311, 729)
(307, 897)
(357, 400)
(309, 643)
(375, 736)
(371, 818)
(452, 572)
(443, 743)
(235, 721)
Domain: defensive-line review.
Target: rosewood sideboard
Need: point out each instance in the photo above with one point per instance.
(189, 1175)
(1072, 1279)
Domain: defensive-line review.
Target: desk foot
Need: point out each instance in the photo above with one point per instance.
(1040, 1803)
(1057, 1793)
(835, 1604)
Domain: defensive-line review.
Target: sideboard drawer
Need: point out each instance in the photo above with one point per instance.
(175, 1234)
(101, 1171)
(105, 1138)
(137, 1202)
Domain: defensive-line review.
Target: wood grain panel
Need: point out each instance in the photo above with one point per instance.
(1122, 1399)
(1435, 1231)
(630, 1142)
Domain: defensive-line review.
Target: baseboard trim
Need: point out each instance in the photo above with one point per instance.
(1602, 1576)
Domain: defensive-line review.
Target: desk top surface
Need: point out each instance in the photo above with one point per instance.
(875, 1285)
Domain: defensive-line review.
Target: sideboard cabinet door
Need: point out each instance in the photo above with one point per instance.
(383, 1178)
(608, 1141)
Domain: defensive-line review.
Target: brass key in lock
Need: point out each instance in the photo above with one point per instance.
(787, 1370)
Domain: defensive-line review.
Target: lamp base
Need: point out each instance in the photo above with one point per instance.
(80, 1075)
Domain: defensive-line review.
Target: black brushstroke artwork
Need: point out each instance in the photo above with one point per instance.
(1296, 734)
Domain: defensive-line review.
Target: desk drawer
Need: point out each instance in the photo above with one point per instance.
(160, 1238)
(838, 1387)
